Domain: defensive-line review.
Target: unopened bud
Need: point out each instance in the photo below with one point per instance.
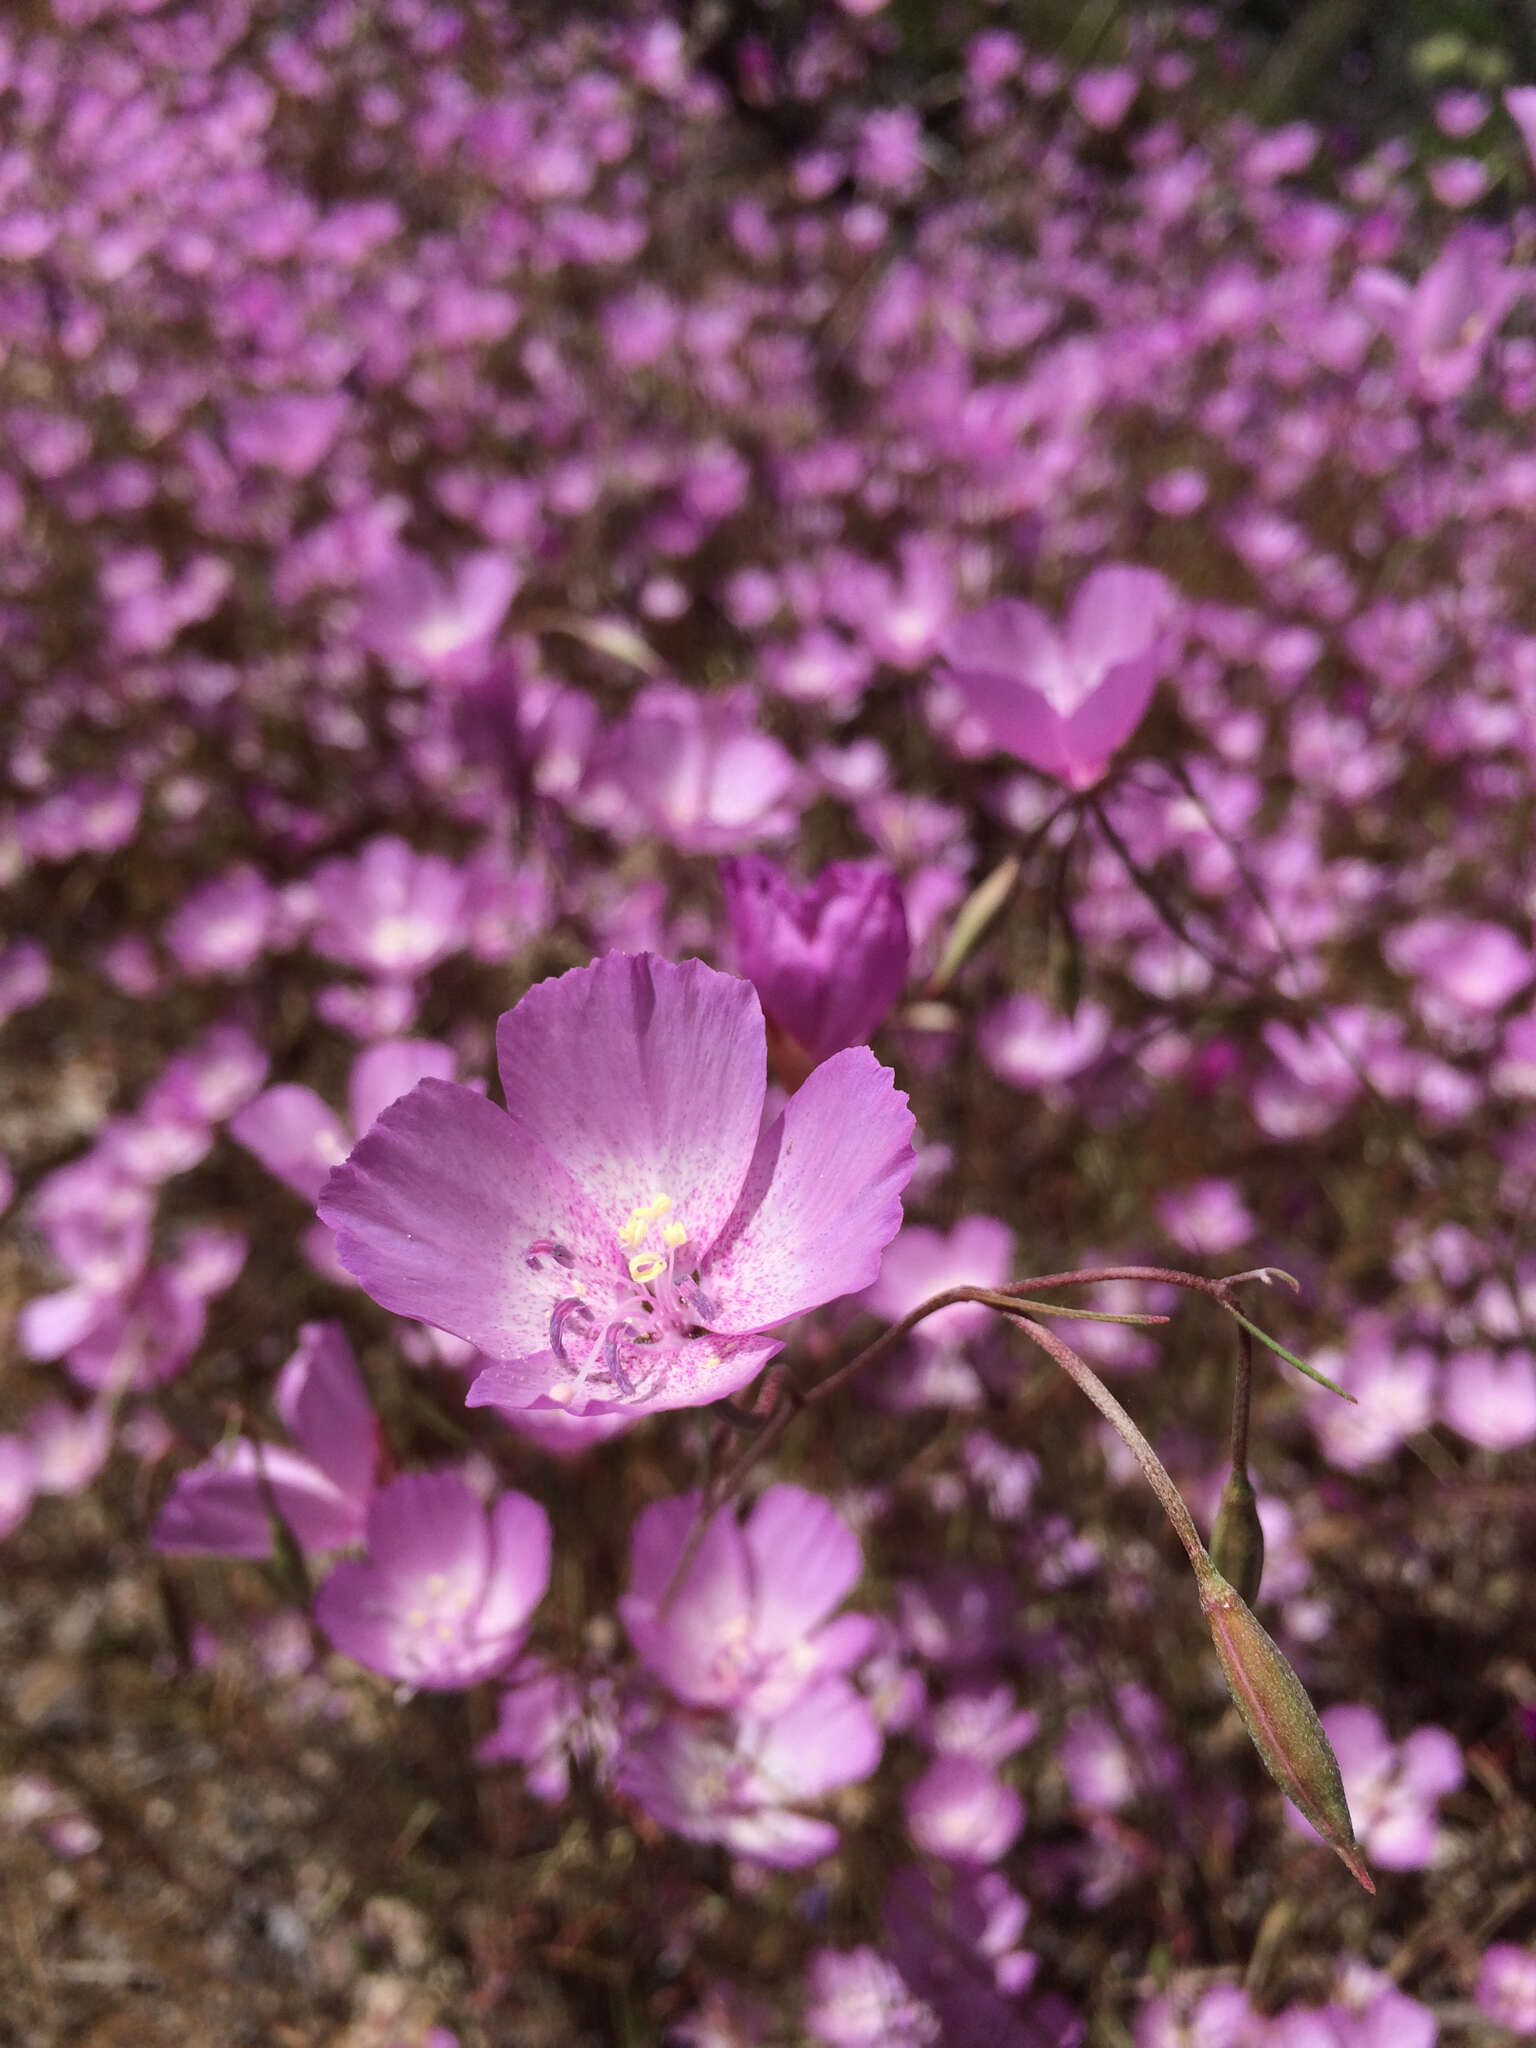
(1280, 1719)
(1237, 1541)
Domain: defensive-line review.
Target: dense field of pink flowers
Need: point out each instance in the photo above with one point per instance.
(689, 721)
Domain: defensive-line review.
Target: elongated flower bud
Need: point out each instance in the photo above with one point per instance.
(1237, 1541)
(1280, 1719)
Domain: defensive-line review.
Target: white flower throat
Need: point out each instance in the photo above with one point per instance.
(620, 1313)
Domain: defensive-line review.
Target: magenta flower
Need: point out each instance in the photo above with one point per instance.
(962, 1812)
(440, 626)
(1506, 1988)
(224, 1507)
(748, 1627)
(1442, 324)
(1393, 1787)
(828, 960)
(697, 772)
(298, 1137)
(738, 1782)
(858, 2000)
(1489, 1397)
(391, 911)
(625, 1233)
(1064, 701)
(448, 1588)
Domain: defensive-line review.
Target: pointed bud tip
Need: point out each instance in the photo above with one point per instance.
(1281, 1721)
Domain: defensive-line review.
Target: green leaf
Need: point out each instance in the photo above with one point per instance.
(1301, 1365)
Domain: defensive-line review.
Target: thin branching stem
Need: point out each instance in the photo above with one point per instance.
(1242, 1401)
(1083, 1376)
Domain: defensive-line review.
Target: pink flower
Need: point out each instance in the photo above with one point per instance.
(224, 1507)
(828, 960)
(1393, 1788)
(749, 1626)
(1103, 98)
(858, 2000)
(448, 1589)
(1506, 1983)
(1466, 962)
(299, 1138)
(1442, 324)
(697, 771)
(961, 1811)
(439, 625)
(390, 911)
(625, 1232)
(738, 1782)
(1489, 1397)
(1208, 1218)
(1394, 1385)
(1063, 700)
(1027, 1043)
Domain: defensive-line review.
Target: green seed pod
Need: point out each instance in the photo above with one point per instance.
(1280, 1719)
(1237, 1541)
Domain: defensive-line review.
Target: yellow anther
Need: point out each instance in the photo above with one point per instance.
(645, 1267)
(640, 1219)
(673, 1234)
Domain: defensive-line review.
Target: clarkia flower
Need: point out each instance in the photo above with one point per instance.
(1442, 324)
(1393, 1787)
(390, 911)
(858, 2000)
(828, 960)
(748, 1626)
(1506, 1988)
(625, 1232)
(448, 1588)
(738, 1781)
(1063, 700)
(440, 625)
(224, 1507)
(962, 1812)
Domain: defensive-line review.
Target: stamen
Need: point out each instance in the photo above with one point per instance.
(560, 1316)
(546, 1247)
(644, 1267)
(693, 1294)
(620, 1378)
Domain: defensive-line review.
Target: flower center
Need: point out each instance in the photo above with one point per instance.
(613, 1316)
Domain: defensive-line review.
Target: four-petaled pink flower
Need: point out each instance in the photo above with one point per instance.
(625, 1233)
(1063, 700)
(448, 1588)
(737, 1782)
(748, 1625)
